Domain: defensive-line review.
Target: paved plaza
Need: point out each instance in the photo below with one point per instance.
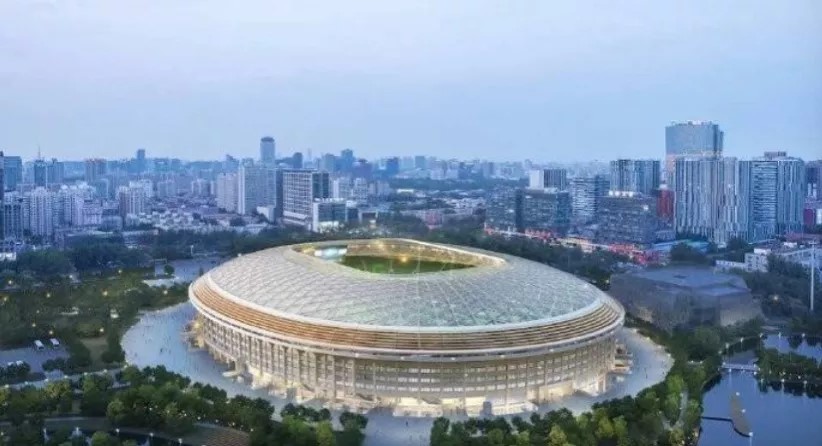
(157, 339)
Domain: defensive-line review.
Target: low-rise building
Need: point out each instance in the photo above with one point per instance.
(683, 297)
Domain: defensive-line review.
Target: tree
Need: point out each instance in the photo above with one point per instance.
(605, 429)
(704, 342)
(676, 437)
(693, 414)
(325, 435)
(522, 439)
(671, 408)
(557, 437)
(102, 439)
(439, 431)
(682, 252)
(168, 269)
(621, 431)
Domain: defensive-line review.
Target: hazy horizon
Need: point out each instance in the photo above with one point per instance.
(545, 81)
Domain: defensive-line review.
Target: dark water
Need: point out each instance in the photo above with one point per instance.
(777, 417)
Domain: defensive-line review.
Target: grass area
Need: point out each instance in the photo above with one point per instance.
(382, 265)
(96, 347)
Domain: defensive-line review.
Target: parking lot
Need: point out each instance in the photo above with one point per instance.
(35, 358)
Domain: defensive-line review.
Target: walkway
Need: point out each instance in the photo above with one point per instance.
(157, 339)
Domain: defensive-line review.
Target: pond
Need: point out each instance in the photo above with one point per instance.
(777, 416)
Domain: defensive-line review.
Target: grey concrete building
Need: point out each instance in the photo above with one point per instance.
(683, 297)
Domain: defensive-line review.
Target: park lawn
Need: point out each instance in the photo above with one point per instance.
(96, 347)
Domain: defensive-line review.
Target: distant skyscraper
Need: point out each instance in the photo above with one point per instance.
(140, 161)
(39, 176)
(777, 195)
(420, 162)
(691, 138)
(641, 176)
(328, 163)
(55, 172)
(297, 160)
(586, 194)
(392, 166)
(268, 153)
(548, 178)
(347, 160)
(712, 198)
(12, 171)
(95, 169)
(300, 189)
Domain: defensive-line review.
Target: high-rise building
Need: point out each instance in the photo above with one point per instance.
(12, 171)
(641, 175)
(146, 184)
(95, 169)
(166, 189)
(268, 152)
(665, 205)
(227, 193)
(2, 193)
(328, 163)
(586, 194)
(41, 208)
(300, 189)
(140, 161)
(813, 180)
(72, 201)
(712, 198)
(38, 177)
(548, 178)
(627, 218)
(256, 186)
(131, 200)
(546, 211)
(420, 162)
(503, 210)
(55, 172)
(200, 188)
(392, 166)
(691, 138)
(12, 218)
(297, 160)
(777, 195)
(347, 160)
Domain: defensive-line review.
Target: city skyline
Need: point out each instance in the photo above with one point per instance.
(459, 81)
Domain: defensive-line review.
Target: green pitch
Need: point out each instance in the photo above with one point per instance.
(382, 265)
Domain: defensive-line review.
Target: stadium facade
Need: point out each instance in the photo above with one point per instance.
(497, 334)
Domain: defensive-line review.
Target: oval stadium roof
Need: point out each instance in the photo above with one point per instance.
(498, 292)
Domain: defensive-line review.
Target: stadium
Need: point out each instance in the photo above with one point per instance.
(424, 329)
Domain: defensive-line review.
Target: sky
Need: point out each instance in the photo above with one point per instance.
(541, 80)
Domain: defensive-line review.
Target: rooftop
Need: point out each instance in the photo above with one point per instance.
(692, 277)
(498, 291)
